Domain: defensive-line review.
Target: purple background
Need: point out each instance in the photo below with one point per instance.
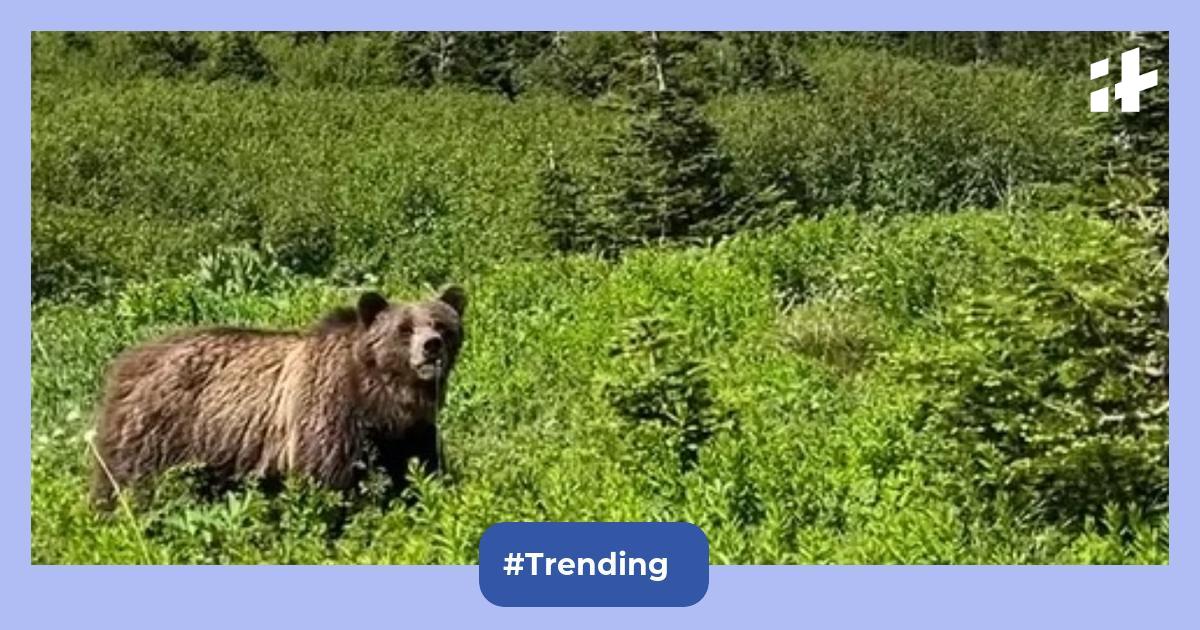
(339, 597)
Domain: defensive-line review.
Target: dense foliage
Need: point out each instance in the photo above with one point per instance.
(512, 63)
(832, 299)
(343, 181)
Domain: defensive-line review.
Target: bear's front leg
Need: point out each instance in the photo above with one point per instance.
(419, 441)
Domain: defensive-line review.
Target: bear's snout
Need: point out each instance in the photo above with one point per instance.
(429, 355)
(433, 345)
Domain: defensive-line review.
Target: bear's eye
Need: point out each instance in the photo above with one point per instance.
(405, 329)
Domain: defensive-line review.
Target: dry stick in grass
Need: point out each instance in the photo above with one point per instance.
(121, 498)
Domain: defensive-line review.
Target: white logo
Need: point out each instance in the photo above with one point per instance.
(1129, 89)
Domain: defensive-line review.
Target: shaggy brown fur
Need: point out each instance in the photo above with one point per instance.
(242, 401)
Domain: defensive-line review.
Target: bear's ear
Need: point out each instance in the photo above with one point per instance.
(455, 296)
(370, 305)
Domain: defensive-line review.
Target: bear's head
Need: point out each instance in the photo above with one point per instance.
(416, 341)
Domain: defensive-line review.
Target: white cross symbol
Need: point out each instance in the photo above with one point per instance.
(1129, 89)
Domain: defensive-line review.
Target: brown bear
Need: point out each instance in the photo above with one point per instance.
(239, 401)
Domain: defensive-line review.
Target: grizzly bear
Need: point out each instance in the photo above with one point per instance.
(241, 401)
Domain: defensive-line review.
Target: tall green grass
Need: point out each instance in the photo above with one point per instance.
(906, 369)
(430, 185)
(817, 458)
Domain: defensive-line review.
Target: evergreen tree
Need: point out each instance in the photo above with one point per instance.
(493, 60)
(167, 53)
(669, 174)
(766, 61)
(584, 64)
(238, 57)
(78, 41)
(559, 207)
(668, 179)
(497, 59)
(1132, 173)
(425, 58)
(1145, 133)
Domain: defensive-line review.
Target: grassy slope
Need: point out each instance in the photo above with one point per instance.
(803, 333)
(133, 181)
(825, 463)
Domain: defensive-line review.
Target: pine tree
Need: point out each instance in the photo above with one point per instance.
(167, 53)
(584, 64)
(238, 58)
(497, 58)
(559, 207)
(767, 61)
(1146, 132)
(1132, 174)
(669, 175)
(424, 58)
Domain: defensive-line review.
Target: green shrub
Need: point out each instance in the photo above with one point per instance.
(167, 53)
(860, 440)
(653, 382)
(905, 136)
(909, 384)
(560, 208)
(69, 256)
(239, 269)
(1053, 377)
(234, 160)
(238, 58)
(346, 183)
(302, 238)
(85, 254)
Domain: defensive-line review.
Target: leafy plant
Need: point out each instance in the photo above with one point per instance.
(238, 58)
(302, 238)
(918, 337)
(652, 381)
(168, 53)
(239, 269)
(1055, 387)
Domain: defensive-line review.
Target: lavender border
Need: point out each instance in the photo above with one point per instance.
(204, 597)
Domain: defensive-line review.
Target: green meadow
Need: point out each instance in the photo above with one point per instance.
(928, 328)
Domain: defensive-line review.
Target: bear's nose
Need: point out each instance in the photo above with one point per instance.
(432, 345)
